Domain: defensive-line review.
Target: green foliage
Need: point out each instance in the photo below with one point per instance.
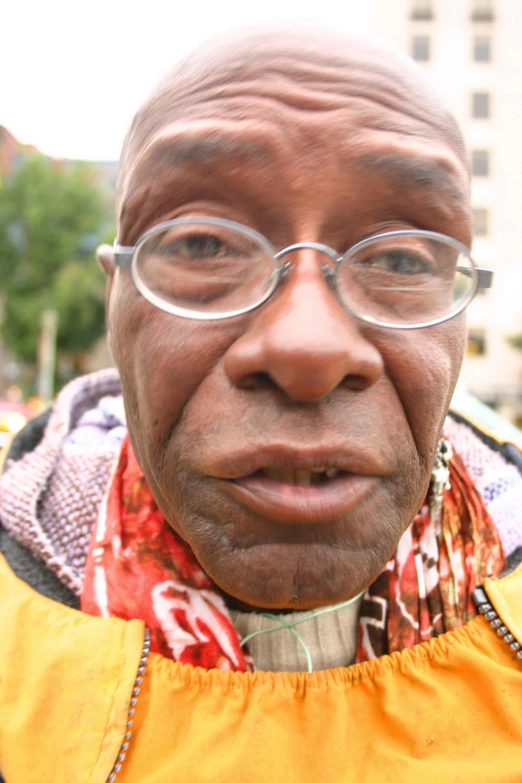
(515, 341)
(51, 217)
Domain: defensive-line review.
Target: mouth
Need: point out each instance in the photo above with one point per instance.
(299, 477)
(300, 496)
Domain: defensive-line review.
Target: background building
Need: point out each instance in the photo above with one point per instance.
(471, 51)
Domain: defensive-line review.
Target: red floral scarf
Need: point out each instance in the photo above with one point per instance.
(138, 567)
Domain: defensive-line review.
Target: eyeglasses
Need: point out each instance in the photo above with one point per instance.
(209, 269)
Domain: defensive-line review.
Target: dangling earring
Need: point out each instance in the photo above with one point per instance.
(440, 479)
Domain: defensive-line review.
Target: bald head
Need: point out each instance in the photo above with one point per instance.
(330, 68)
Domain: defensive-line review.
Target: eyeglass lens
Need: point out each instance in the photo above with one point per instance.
(205, 268)
(405, 279)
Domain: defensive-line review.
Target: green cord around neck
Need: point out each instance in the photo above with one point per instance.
(290, 625)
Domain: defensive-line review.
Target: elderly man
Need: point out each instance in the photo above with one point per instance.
(264, 570)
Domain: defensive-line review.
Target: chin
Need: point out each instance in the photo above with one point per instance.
(253, 580)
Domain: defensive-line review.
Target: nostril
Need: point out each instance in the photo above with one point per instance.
(354, 382)
(257, 380)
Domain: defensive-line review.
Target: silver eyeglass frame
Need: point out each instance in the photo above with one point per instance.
(125, 256)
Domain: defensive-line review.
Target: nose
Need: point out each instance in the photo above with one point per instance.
(303, 341)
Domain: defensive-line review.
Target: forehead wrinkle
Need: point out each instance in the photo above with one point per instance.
(326, 89)
(414, 171)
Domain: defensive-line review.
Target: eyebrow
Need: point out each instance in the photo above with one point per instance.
(194, 148)
(414, 172)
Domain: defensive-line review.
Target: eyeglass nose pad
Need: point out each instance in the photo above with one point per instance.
(284, 270)
(329, 275)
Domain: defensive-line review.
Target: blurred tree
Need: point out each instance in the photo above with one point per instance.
(51, 217)
(515, 341)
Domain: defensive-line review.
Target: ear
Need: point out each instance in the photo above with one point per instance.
(105, 257)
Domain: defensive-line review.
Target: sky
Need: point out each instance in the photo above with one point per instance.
(73, 73)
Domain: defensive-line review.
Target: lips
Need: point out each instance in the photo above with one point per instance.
(300, 487)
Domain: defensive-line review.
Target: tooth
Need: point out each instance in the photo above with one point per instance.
(331, 472)
(318, 470)
(303, 478)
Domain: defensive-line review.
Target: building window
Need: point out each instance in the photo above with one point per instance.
(420, 48)
(476, 345)
(482, 49)
(480, 222)
(480, 163)
(480, 108)
(482, 11)
(421, 10)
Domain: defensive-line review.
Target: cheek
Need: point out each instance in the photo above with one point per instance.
(424, 366)
(162, 361)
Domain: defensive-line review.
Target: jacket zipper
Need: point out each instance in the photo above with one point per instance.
(122, 753)
(485, 608)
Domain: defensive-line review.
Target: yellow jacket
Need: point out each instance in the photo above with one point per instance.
(447, 710)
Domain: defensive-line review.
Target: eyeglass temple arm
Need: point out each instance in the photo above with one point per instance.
(485, 276)
(122, 255)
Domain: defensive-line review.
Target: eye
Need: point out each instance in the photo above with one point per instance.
(204, 267)
(196, 247)
(400, 262)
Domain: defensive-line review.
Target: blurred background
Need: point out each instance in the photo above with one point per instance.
(73, 73)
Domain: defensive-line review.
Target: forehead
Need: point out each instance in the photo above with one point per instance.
(298, 116)
(320, 70)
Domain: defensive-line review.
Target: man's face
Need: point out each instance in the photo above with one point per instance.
(223, 415)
